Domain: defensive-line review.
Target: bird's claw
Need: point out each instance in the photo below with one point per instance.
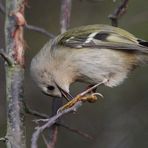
(89, 97)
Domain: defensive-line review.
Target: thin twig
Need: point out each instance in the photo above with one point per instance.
(53, 136)
(51, 122)
(61, 112)
(31, 27)
(77, 131)
(6, 57)
(39, 30)
(45, 141)
(34, 113)
(64, 22)
(45, 116)
(118, 12)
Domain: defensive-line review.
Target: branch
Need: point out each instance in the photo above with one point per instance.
(64, 22)
(31, 27)
(34, 113)
(118, 12)
(65, 14)
(6, 58)
(44, 116)
(77, 131)
(51, 121)
(39, 30)
(14, 20)
(71, 106)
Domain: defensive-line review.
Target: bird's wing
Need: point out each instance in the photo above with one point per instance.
(101, 36)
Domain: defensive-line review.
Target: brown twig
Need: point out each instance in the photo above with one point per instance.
(64, 22)
(51, 122)
(118, 12)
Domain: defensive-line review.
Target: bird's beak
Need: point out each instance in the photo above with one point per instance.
(65, 94)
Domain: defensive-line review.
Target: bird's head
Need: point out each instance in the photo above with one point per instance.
(48, 82)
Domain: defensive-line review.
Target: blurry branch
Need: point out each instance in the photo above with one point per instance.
(94, 1)
(118, 12)
(64, 23)
(6, 57)
(77, 131)
(53, 131)
(50, 122)
(2, 8)
(34, 113)
(31, 27)
(39, 30)
(65, 14)
(45, 116)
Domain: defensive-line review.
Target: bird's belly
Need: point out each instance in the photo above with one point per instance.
(95, 67)
(112, 78)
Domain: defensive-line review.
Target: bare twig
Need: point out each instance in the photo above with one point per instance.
(61, 112)
(118, 12)
(6, 57)
(64, 22)
(40, 30)
(31, 27)
(77, 131)
(53, 136)
(65, 14)
(45, 116)
(33, 112)
(45, 141)
(51, 122)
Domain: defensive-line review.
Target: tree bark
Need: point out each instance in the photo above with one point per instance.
(14, 44)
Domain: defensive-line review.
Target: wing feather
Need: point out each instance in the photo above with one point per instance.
(101, 36)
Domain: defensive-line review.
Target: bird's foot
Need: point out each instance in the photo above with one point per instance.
(91, 98)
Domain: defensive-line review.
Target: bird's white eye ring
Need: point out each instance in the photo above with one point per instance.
(50, 87)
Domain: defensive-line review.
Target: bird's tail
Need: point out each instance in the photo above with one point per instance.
(143, 42)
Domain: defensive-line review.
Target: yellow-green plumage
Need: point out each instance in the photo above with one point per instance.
(89, 54)
(84, 31)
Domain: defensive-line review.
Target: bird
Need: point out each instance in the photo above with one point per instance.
(92, 54)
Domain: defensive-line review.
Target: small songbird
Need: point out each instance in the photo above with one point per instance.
(90, 54)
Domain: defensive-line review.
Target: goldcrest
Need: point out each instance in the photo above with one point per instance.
(89, 54)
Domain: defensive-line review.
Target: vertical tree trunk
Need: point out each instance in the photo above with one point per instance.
(14, 22)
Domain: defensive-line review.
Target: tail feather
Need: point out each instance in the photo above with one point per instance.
(143, 43)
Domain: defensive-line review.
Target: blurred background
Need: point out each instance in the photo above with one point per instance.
(121, 119)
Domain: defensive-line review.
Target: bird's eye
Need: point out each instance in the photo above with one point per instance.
(50, 87)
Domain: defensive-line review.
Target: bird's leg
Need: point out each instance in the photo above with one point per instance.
(92, 91)
(84, 96)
